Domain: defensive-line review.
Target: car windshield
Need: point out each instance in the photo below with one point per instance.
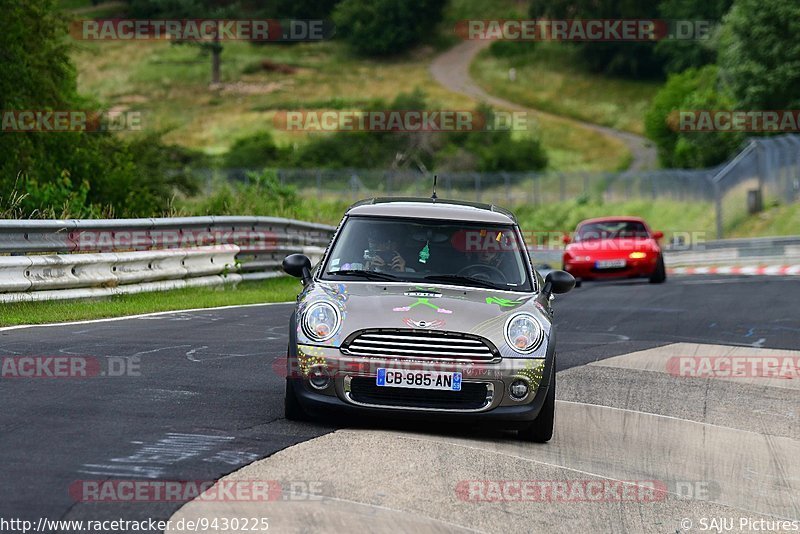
(611, 230)
(428, 251)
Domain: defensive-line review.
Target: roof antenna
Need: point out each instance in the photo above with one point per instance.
(433, 196)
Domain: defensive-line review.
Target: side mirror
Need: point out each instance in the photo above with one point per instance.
(558, 282)
(566, 239)
(658, 235)
(299, 266)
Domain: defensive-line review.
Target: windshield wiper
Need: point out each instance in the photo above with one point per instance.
(371, 275)
(466, 280)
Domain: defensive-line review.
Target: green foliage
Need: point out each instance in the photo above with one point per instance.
(512, 49)
(255, 151)
(301, 9)
(386, 27)
(760, 54)
(35, 70)
(261, 194)
(76, 174)
(480, 150)
(689, 91)
(628, 59)
(679, 55)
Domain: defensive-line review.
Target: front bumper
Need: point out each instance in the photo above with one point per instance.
(634, 268)
(485, 387)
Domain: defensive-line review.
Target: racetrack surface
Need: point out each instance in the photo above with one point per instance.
(208, 401)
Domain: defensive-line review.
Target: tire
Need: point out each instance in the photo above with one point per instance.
(659, 276)
(578, 282)
(292, 409)
(541, 429)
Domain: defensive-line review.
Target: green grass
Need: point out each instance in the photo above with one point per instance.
(667, 216)
(773, 221)
(169, 85)
(274, 290)
(551, 78)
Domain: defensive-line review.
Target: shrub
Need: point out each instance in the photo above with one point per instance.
(386, 27)
(691, 90)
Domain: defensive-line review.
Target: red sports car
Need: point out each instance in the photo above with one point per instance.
(614, 247)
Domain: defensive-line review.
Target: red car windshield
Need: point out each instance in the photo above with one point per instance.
(611, 230)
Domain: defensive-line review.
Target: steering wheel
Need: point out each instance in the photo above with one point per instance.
(482, 271)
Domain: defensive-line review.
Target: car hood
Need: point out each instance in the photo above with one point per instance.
(422, 307)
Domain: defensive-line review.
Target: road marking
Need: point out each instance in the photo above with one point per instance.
(140, 316)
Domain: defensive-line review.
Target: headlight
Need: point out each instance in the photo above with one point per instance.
(637, 255)
(523, 333)
(321, 321)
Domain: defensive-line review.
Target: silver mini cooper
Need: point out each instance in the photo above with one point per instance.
(425, 307)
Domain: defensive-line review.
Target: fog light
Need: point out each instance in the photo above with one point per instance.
(519, 389)
(319, 378)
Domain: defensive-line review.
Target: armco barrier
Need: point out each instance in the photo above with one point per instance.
(62, 259)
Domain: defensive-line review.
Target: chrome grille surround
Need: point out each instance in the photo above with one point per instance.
(419, 344)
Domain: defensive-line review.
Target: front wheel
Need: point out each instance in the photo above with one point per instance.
(541, 429)
(659, 276)
(292, 409)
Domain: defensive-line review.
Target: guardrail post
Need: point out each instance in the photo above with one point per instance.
(718, 208)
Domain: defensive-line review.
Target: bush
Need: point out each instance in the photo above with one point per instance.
(386, 27)
(253, 152)
(262, 194)
(679, 55)
(760, 54)
(691, 90)
(512, 49)
(629, 59)
(56, 173)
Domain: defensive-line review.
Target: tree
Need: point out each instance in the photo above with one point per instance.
(191, 9)
(630, 59)
(77, 174)
(692, 90)
(760, 54)
(386, 27)
(679, 55)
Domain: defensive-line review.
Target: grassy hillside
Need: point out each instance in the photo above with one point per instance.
(550, 77)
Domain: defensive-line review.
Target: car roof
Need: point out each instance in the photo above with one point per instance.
(428, 208)
(625, 218)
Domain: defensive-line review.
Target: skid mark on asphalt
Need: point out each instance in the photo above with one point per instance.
(151, 460)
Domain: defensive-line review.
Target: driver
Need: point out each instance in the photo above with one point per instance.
(382, 252)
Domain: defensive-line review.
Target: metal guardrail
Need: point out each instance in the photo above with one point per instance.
(743, 251)
(61, 259)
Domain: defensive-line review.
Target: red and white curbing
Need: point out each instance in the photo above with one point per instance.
(752, 270)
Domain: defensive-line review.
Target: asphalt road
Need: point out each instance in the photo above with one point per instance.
(202, 399)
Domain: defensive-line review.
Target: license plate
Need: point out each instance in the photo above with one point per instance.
(419, 379)
(609, 264)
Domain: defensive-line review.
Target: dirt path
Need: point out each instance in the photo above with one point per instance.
(451, 69)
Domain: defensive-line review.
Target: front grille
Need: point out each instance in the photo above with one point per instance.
(473, 396)
(402, 343)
